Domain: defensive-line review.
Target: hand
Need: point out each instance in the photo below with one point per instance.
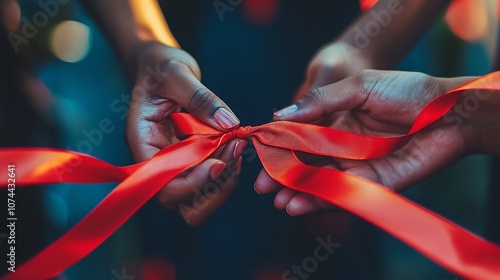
(378, 103)
(331, 64)
(168, 79)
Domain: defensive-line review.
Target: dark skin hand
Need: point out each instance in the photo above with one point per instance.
(165, 79)
(378, 103)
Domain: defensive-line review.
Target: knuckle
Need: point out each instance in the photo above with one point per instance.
(171, 67)
(201, 99)
(431, 86)
(369, 80)
(315, 95)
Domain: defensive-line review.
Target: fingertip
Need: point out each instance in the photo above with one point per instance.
(287, 211)
(286, 112)
(225, 119)
(239, 148)
(264, 183)
(216, 169)
(300, 205)
(283, 198)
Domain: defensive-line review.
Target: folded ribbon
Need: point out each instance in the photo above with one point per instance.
(447, 244)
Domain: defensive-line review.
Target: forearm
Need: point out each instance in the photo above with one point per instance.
(384, 34)
(131, 24)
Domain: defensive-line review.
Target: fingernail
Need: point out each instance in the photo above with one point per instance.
(256, 189)
(217, 169)
(288, 210)
(238, 148)
(225, 119)
(286, 111)
(238, 166)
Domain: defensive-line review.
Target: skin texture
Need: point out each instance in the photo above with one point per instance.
(166, 78)
(401, 25)
(385, 103)
(363, 46)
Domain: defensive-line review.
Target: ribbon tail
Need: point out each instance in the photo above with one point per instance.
(37, 166)
(440, 240)
(115, 209)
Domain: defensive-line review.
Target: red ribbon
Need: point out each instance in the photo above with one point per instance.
(449, 245)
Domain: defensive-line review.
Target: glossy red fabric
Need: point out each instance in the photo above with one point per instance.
(451, 246)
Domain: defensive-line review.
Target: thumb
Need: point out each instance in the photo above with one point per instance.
(201, 102)
(345, 95)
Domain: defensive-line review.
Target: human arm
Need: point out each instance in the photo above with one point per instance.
(386, 103)
(377, 39)
(166, 78)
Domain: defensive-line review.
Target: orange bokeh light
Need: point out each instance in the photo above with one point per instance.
(468, 19)
(367, 4)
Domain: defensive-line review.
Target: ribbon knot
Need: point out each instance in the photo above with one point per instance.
(242, 132)
(447, 244)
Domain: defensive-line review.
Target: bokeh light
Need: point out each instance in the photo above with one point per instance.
(271, 273)
(158, 269)
(468, 19)
(261, 11)
(11, 14)
(70, 41)
(367, 4)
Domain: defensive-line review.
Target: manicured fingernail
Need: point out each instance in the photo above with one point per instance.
(238, 166)
(286, 111)
(225, 119)
(238, 148)
(217, 169)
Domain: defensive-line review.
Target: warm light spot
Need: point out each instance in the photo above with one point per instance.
(45, 163)
(70, 41)
(11, 14)
(468, 19)
(271, 273)
(367, 4)
(261, 11)
(158, 269)
(151, 23)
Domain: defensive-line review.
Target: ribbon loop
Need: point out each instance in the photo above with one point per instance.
(453, 247)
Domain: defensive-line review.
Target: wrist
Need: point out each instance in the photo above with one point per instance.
(337, 61)
(155, 54)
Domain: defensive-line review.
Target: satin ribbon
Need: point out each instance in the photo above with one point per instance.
(449, 245)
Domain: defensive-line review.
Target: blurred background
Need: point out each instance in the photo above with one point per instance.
(59, 78)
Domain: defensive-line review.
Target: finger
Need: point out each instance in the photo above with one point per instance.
(319, 102)
(148, 129)
(265, 184)
(305, 203)
(183, 189)
(191, 94)
(419, 159)
(212, 198)
(283, 197)
(233, 150)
